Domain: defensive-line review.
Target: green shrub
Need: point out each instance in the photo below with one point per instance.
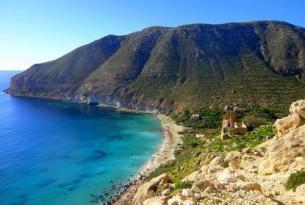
(252, 121)
(270, 112)
(295, 180)
(211, 118)
(183, 184)
(190, 141)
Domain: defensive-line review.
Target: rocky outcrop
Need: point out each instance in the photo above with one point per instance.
(282, 152)
(293, 121)
(298, 107)
(149, 188)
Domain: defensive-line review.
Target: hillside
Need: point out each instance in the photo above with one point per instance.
(188, 66)
(265, 166)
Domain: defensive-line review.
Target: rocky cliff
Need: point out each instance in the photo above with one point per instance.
(174, 68)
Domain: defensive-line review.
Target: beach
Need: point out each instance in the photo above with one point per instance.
(171, 141)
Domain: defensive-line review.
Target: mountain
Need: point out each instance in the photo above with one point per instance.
(189, 66)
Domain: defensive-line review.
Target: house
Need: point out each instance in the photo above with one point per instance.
(230, 125)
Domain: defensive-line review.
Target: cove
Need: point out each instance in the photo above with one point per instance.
(55, 152)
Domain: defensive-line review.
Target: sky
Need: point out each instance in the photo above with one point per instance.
(35, 31)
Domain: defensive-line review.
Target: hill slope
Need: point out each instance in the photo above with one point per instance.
(174, 68)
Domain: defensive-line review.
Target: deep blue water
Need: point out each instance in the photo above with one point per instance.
(57, 153)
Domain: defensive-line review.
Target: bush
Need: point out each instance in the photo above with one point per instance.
(252, 121)
(211, 118)
(183, 184)
(190, 141)
(295, 180)
(270, 112)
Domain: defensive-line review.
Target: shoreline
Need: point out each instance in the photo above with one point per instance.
(170, 142)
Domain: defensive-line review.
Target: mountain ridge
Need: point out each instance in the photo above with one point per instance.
(174, 68)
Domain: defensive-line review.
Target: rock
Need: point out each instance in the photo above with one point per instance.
(158, 200)
(204, 168)
(166, 192)
(257, 153)
(217, 161)
(194, 176)
(301, 189)
(232, 159)
(232, 187)
(197, 196)
(286, 124)
(176, 200)
(209, 190)
(199, 135)
(220, 186)
(144, 190)
(252, 187)
(202, 185)
(281, 153)
(248, 150)
(272, 194)
(189, 202)
(228, 176)
(232, 156)
(187, 193)
(298, 107)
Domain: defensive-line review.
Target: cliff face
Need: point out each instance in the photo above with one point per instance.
(174, 68)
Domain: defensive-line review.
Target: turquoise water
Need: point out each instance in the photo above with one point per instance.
(56, 153)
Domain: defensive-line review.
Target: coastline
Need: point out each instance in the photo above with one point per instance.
(171, 141)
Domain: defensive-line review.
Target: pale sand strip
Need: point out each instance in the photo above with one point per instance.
(171, 140)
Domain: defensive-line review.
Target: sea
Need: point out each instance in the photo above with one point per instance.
(60, 153)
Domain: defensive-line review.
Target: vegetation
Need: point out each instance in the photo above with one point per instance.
(209, 118)
(295, 180)
(250, 139)
(183, 184)
(196, 151)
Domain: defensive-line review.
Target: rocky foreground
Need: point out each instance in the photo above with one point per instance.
(251, 176)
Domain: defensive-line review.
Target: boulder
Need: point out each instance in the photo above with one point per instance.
(217, 161)
(228, 176)
(209, 190)
(232, 159)
(202, 185)
(158, 200)
(166, 192)
(216, 164)
(189, 202)
(252, 187)
(301, 189)
(176, 200)
(232, 156)
(187, 193)
(298, 107)
(194, 176)
(282, 152)
(144, 190)
(286, 124)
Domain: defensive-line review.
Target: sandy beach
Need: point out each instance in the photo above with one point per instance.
(171, 140)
